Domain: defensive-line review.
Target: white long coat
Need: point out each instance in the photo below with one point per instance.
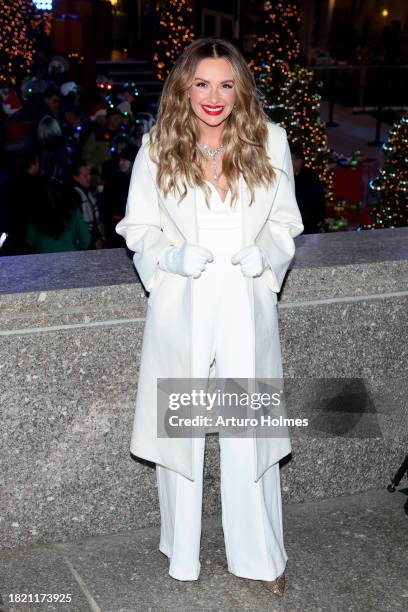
(153, 222)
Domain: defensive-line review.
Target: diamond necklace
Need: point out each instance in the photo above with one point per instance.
(212, 154)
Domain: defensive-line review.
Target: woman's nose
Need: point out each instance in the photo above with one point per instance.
(214, 97)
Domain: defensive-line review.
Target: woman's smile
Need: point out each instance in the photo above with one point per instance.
(213, 110)
(212, 96)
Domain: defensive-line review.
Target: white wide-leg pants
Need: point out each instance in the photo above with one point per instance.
(251, 512)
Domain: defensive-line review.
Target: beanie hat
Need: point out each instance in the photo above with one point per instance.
(68, 87)
(58, 65)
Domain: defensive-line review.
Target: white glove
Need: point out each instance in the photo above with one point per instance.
(252, 259)
(187, 260)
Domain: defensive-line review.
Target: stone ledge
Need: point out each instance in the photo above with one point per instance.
(105, 267)
(346, 553)
(69, 359)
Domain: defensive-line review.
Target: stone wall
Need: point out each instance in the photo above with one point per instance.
(70, 337)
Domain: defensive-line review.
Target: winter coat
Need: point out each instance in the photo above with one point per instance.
(151, 223)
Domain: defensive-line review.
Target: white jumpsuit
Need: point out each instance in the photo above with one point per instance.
(251, 512)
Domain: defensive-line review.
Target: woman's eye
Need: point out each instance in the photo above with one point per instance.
(227, 85)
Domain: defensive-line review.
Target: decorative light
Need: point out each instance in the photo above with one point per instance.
(16, 38)
(384, 12)
(43, 5)
(290, 93)
(390, 186)
(176, 32)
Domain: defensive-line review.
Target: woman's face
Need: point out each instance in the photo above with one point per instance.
(213, 91)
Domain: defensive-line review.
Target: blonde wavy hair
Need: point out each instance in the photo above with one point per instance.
(174, 137)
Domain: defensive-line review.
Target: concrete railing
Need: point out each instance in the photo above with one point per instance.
(71, 334)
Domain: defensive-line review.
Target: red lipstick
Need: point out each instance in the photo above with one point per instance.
(208, 109)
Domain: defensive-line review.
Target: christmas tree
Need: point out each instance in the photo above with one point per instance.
(16, 38)
(277, 35)
(290, 92)
(390, 187)
(176, 31)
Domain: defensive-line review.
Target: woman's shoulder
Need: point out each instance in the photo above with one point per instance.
(276, 131)
(277, 142)
(147, 137)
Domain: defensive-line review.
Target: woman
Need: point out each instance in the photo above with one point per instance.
(211, 216)
(56, 223)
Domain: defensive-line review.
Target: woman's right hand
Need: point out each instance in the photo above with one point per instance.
(187, 260)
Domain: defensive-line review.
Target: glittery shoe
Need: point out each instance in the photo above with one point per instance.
(276, 586)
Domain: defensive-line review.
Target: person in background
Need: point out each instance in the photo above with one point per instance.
(18, 132)
(35, 84)
(50, 105)
(309, 192)
(57, 224)
(87, 203)
(72, 119)
(52, 102)
(97, 147)
(115, 195)
(70, 96)
(112, 164)
(26, 193)
(72, 131)
(54, 156)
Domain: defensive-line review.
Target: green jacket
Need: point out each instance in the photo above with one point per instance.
(75, 237)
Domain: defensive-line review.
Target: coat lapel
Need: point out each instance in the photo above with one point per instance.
(183, 214)
(256, 215)
(184, 217)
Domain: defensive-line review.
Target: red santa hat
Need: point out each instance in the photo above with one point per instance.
(97, 110)
(11, 104)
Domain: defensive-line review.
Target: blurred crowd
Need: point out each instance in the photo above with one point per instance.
(66, 156)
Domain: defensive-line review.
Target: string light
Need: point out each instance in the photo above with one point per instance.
(16, 40)
(176, 32)
(43, 5)
(75, 57)
(289, 92)
(390, 187)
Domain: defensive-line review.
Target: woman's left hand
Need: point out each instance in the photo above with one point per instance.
(252, 259)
